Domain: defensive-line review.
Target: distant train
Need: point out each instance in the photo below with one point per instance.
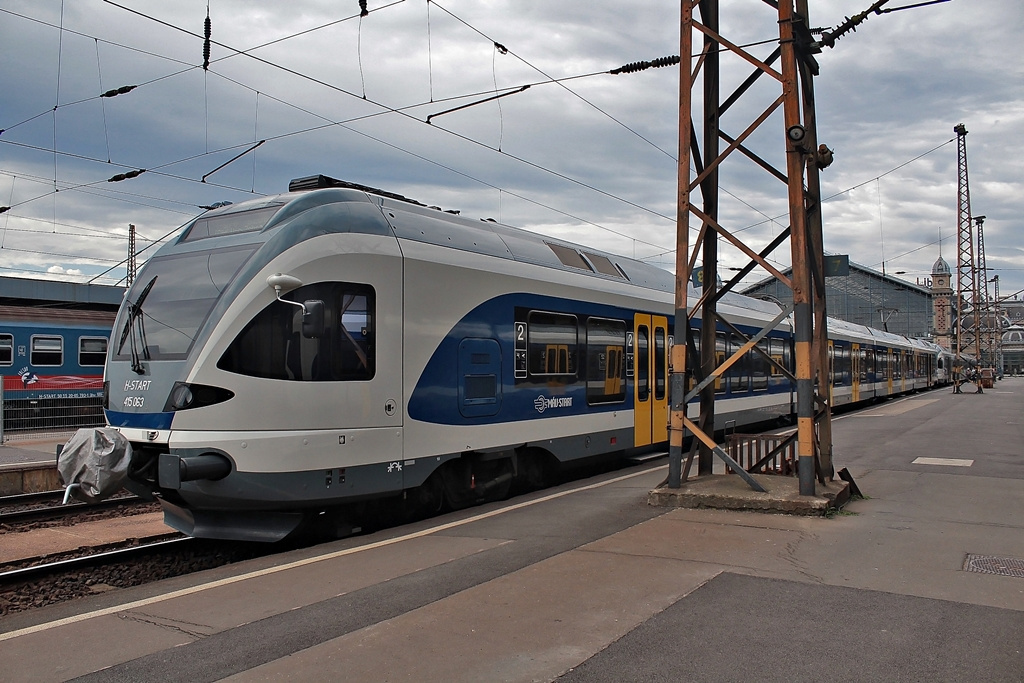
(52, 363)
(338, 344)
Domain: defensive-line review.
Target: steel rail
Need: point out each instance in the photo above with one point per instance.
(99, 559)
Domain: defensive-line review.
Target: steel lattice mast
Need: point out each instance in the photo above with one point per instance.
(985, 305)
(131, 256)
(704, 146)
(966, 274)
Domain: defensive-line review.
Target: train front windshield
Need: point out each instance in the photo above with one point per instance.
(167, 306)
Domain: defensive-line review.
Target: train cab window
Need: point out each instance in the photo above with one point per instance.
(272, 344)
(92, 351)
(231, 223)
(552, 345)
(6, 349)
(606, 361)
(47, 351)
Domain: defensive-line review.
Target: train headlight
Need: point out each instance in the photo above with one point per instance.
(185, 396)
(181, 396)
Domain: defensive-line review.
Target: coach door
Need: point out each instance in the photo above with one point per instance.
(650, 379)
(889, 368)
(855, 371)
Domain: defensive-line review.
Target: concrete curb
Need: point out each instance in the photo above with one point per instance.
(729, 492)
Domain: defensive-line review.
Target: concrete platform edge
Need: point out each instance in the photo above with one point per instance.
(729, 492)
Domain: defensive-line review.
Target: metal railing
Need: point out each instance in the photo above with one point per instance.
(24, 415)
(764, 453)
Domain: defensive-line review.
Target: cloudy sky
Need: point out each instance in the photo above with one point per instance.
(582, 154)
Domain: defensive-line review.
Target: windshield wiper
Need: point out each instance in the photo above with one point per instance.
(135, 314)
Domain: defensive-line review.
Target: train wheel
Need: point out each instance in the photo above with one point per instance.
(536, 469)
(428, 498)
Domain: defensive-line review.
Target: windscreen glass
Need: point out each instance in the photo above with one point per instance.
(168, 304)
(230, 223)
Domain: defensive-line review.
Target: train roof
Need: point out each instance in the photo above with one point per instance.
(433, 225)
(30, 292)
(56, 316)
(446, 228)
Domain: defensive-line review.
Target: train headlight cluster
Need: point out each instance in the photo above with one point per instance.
(185, 396)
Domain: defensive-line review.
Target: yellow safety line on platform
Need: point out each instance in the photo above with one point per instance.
(310, 560)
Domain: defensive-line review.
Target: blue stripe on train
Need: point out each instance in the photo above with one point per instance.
(139, 420)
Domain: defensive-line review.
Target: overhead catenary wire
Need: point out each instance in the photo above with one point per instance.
(395, 146)
(393, 110)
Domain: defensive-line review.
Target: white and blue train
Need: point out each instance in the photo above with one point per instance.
(338, 343)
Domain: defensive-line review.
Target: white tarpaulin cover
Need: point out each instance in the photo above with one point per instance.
(97, 460)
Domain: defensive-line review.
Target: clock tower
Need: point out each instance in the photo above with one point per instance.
(942, 300)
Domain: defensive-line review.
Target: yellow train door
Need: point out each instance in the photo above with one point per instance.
(650, 379)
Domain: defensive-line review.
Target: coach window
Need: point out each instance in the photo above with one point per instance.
(606, 361)
(92, 351)
(778, 354)
(552, 345)
(721, 346)
(842, 365)
(759, 370)
(272, 344)
(6, 349)
(739, 373)
(47, 351)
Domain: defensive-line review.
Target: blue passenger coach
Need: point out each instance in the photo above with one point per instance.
(52, 362)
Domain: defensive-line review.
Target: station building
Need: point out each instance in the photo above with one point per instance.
(925, 309)
(59, 294)
(868, 297)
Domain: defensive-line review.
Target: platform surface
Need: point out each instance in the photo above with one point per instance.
(587, 582)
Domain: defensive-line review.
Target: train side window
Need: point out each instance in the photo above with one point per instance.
(92, 351)
(6, 349)
(552, 344)
(759, 366)
(721, 346)
(47, 351)
(739, 373)
(606, 361)
(842, 365)
(272, 344)
(778, 354)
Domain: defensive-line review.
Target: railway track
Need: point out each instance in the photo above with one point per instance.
(35, 568)
(32, 508)
(36, 582)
